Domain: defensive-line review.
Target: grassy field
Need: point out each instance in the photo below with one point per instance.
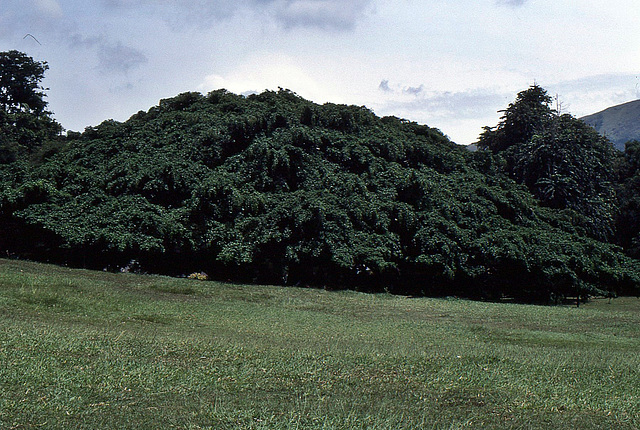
(93, 350)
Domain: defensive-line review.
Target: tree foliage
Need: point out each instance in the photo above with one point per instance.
(563, 162)
(274, 188)
(628, 221)
(25, 123)
(527, 116)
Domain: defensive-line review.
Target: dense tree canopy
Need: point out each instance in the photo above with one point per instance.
(563, 162)
(25, 123)
(20, 78)
(628, 222)
(528, 115)
(274, 188)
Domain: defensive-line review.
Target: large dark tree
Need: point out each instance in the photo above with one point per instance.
(25, 123)
(528, 115)
(273, 188)
(628, 222)
(565, 163)
(20, 83)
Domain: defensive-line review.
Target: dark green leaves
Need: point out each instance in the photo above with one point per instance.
(273, 188)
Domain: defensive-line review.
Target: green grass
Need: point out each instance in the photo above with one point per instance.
(93, 350)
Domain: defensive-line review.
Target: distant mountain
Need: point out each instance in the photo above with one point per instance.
(618, 123)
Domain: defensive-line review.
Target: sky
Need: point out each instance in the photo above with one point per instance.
(450, 64)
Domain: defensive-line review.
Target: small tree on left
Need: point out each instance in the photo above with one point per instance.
(25, 122)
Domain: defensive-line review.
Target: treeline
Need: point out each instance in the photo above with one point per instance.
(272, 188)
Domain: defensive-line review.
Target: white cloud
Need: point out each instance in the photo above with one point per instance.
(384, 86)
(591, 94)
(325, 14)
(50, 8)
(265, 72)
(460, 114)
(321, 14)
(414, 91)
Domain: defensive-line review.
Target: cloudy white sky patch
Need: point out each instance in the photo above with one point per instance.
(48, 7)
(324, 14)
(514, 3)
(264, 72)
(449, 64)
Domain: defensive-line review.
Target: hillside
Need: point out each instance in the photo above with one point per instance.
(619, 124)
(273, 188)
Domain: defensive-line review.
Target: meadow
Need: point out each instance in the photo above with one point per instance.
(88, 350)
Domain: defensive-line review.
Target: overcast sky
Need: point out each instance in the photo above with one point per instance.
(450, 64)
